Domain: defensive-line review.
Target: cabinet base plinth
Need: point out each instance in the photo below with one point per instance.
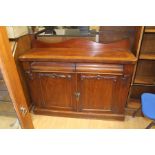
(72, 114)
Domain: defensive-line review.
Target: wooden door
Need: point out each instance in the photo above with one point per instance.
(100, 87)
(56, 90)
(101, 93)
(96, 92)
(12, 80)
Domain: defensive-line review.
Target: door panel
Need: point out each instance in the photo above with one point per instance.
(96, 92)
(12, 80)
(57, 90)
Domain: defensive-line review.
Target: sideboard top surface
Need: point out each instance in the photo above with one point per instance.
(88, 52)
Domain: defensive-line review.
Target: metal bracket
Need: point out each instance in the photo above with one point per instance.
(23, 110)
(77, 95)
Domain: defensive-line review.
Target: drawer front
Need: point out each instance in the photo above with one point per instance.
(52, 67)
(74, 67)
(99, 68)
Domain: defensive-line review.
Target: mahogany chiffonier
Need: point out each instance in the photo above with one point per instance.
(79, 78)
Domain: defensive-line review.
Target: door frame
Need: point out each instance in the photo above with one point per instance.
(12, 80)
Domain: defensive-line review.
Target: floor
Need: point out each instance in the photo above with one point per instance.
(7, 115)
(6, 122)
(76, 123)
(8, 118)
(7, 109)
(50, 122)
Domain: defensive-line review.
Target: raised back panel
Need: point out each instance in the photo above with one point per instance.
(81, 43)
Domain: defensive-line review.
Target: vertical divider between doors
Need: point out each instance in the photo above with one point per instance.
(76, 88)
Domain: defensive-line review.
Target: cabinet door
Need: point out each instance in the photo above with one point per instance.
(97, 92)
(53, 90)
(57, 90)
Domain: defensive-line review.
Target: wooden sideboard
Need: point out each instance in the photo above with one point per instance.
(79, 78)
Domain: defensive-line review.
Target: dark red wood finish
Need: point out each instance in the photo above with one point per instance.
(79, 78)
